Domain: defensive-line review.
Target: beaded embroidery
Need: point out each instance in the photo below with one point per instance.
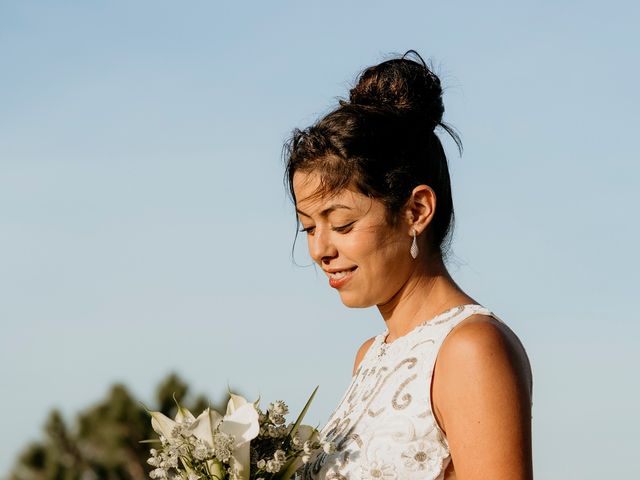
(384, 427)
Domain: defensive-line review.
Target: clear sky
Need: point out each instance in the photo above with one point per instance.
(144, 226)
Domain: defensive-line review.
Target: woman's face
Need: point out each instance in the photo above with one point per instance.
(365, 259)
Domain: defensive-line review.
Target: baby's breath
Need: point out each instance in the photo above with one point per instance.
(186, 453)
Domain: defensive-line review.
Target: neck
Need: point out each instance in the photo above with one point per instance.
(429, 291)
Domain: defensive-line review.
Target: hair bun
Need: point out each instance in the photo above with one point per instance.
(402, 85)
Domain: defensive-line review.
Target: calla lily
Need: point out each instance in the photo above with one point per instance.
(241, 421)
(204, 426)
(235, 402)
(244, 426)
(162, 424)
(184, 415)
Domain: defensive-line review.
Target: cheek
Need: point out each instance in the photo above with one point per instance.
(361, 247)
(391, 265)
(377, 251)
(384, 274)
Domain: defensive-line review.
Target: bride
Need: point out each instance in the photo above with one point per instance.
(372, 191)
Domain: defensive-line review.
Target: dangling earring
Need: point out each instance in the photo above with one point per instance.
(414, 245)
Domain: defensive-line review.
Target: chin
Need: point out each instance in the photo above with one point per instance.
(353, 301)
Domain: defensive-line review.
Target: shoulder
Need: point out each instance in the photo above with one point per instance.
(481, 345)
(482, 370)
(485, 337)
(362, 351)
(482, 396)
(475, 334)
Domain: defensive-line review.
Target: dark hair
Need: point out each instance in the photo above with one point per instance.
(382, 141)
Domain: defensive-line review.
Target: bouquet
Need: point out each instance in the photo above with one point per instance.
(244, 444)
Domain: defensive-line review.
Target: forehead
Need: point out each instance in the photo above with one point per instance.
(310, 197)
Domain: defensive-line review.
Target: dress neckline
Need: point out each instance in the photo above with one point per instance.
(455, 310)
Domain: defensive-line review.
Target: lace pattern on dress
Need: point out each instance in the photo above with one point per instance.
(384, 427)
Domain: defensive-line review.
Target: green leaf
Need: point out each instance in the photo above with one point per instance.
(291, 465)
(290, 469)
(294, 429)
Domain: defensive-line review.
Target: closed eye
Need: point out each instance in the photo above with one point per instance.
(343, 228)
(308, 230)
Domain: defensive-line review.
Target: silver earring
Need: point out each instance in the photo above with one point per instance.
(414, 246)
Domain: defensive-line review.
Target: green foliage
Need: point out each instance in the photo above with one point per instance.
(104, 441)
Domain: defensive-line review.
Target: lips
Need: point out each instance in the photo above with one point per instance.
(338, 278)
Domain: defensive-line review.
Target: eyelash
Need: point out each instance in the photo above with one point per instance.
(343, 228)
(340, 229)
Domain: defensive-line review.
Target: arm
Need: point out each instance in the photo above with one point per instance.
(361, 353)
(481, 385)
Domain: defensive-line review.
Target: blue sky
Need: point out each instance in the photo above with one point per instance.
(144, 227)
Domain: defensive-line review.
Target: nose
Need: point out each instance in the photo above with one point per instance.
(321, 247)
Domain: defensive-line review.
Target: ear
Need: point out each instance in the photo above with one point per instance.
(420, 208)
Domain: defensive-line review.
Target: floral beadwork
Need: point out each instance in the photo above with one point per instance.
(384, 427)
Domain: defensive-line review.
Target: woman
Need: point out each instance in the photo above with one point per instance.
(372, 191)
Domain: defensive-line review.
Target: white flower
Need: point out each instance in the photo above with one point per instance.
(235, 402)
(184, 416)
(227, 436)
(223, 445)
(328, 447)
(279, 407)
(378, 471)
(158, 473)
(261, 463)
(277, 411)
(307, 437)
(240, 423)
(420, 456)
(162, 425)
(154, 460)
(201, 450)
(273, 466)
(280, 456)
(171, 430)
(205, 426)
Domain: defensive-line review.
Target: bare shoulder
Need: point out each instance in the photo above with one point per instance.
(481, 395)
(489, 343)
(362, 351)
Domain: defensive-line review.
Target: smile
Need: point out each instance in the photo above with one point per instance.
(339, 278)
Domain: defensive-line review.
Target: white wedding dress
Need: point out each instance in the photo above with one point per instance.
(384, 427)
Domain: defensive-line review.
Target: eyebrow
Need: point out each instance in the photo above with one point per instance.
(326, 211)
